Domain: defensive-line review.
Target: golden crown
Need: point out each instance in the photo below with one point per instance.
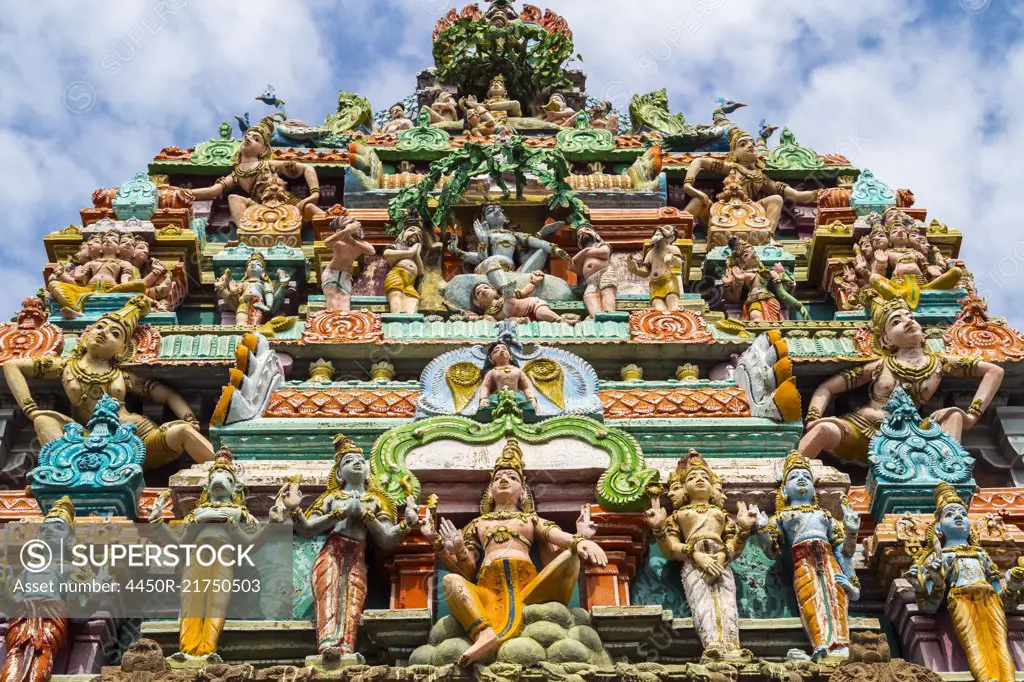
(511, 457)
(128, 317)
(945, 495)
(692, 460)
(265, 128)
(344, 445)
(224, 461)
(62, 510)
(881, 313)
(794, 460)
(736, 134)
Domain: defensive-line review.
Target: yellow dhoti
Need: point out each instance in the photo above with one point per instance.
(909, 288)
(401, 281)
(504, 586)
(980, 624)
(203, 609)
(74, 296)
(822, 601)
(661, 287)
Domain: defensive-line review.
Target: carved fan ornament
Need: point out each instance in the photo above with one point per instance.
(31, 334)
(335, 326)
(661, 326)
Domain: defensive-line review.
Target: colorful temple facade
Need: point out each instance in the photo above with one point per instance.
(544, 389)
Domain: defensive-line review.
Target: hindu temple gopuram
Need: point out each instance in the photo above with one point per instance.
(541, 388)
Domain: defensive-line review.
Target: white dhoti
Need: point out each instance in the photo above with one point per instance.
(715, 616)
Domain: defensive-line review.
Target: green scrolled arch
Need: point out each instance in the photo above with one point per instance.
(620, 488)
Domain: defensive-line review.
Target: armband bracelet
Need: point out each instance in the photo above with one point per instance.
(813, 413)
(977, 407)
(576, 540)
(463, 555)
(28, 406)
(437, 545)
(660, 531)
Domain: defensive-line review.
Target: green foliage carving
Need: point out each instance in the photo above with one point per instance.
(547, 165)
(470, 52)
(353, 111)
(791, 156)
(620, 488)
(423, 137)
(651, 110)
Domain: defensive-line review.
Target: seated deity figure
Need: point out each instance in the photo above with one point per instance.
(761, 290)
(603, 118)
(37, 630)
(823, 576)
(954, 565)
(659, 261)
(255, 297)
(94, 369)
(444, 108)
(107, 273)
(700, 535)
(743, 159)
(905, 362)
(501, 249)
(351, 511)
(905, 264)
(220, 516)
(519, 305)
(492, 574)
(479, 121)
(556, 111)
(161, 285)
(405, 256)
(498, 102)
(399, 121)
(259, 177)
(346, 245)
(501, 373)
(593, 264)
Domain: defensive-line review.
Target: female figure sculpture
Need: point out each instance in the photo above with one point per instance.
(255, 297)
(762, 291)
(823, 575)
(700, 535)
(94, 369)
(350, 511)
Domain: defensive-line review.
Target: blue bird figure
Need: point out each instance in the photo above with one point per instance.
(243, 122)
(270, 99)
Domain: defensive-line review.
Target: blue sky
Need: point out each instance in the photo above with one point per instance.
(925, 93)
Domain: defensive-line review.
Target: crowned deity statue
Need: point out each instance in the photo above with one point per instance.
(816, 546)
(498, 103)
(37, 630)
(502, 249)
(501, 373)
(592, 263)
(953, 565)
(493, 576)
(346, 245)
(905, 362)
(903, 266)
(743, 158)
(220, 517)
(103, 270)
(259, 177)
(700, 535)
(405, 256)
(254, 298)
(351, 510)
(94, 369)
(480, 122)
(760, 289)
(662, 262)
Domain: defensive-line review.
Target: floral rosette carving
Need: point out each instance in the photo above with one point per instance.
(677, 325)
(272, 223)
(31, 334)
(336, 326)
(974, 334)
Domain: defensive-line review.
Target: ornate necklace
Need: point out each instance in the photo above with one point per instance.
(700, 507)
(260, 167)
(96, 384)
(506, 515)
(905, 372)
(496, 307)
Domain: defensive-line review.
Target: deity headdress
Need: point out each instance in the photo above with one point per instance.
(734, 135)
(945, 495)
(511, 458)
(498, 80)
(265, 128)
(224, 461)
(258, 256)
(343, 445)
(127, 319)
(737, 245)
(794, 460)
(694, 461)
(880, 313)
(62, 510)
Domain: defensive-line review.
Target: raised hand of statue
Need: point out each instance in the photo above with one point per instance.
(762, 520)
(633, 264)
(156, 512)
(283, 277)
(585, 526)
(746, 517)
(537, 278)
(592, 552)
(452, 244)
(224, 281)
(708, 565)
(656, 515)
(428, 524)
(412, 512)
(851, 517)
(290, 495)
(453, 540)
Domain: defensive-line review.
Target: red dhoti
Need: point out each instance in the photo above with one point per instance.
(32, 645)
(339, 592)
(822, 601)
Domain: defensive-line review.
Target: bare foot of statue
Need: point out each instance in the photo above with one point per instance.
(331, 653)
(69, 314)
(485, 643)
